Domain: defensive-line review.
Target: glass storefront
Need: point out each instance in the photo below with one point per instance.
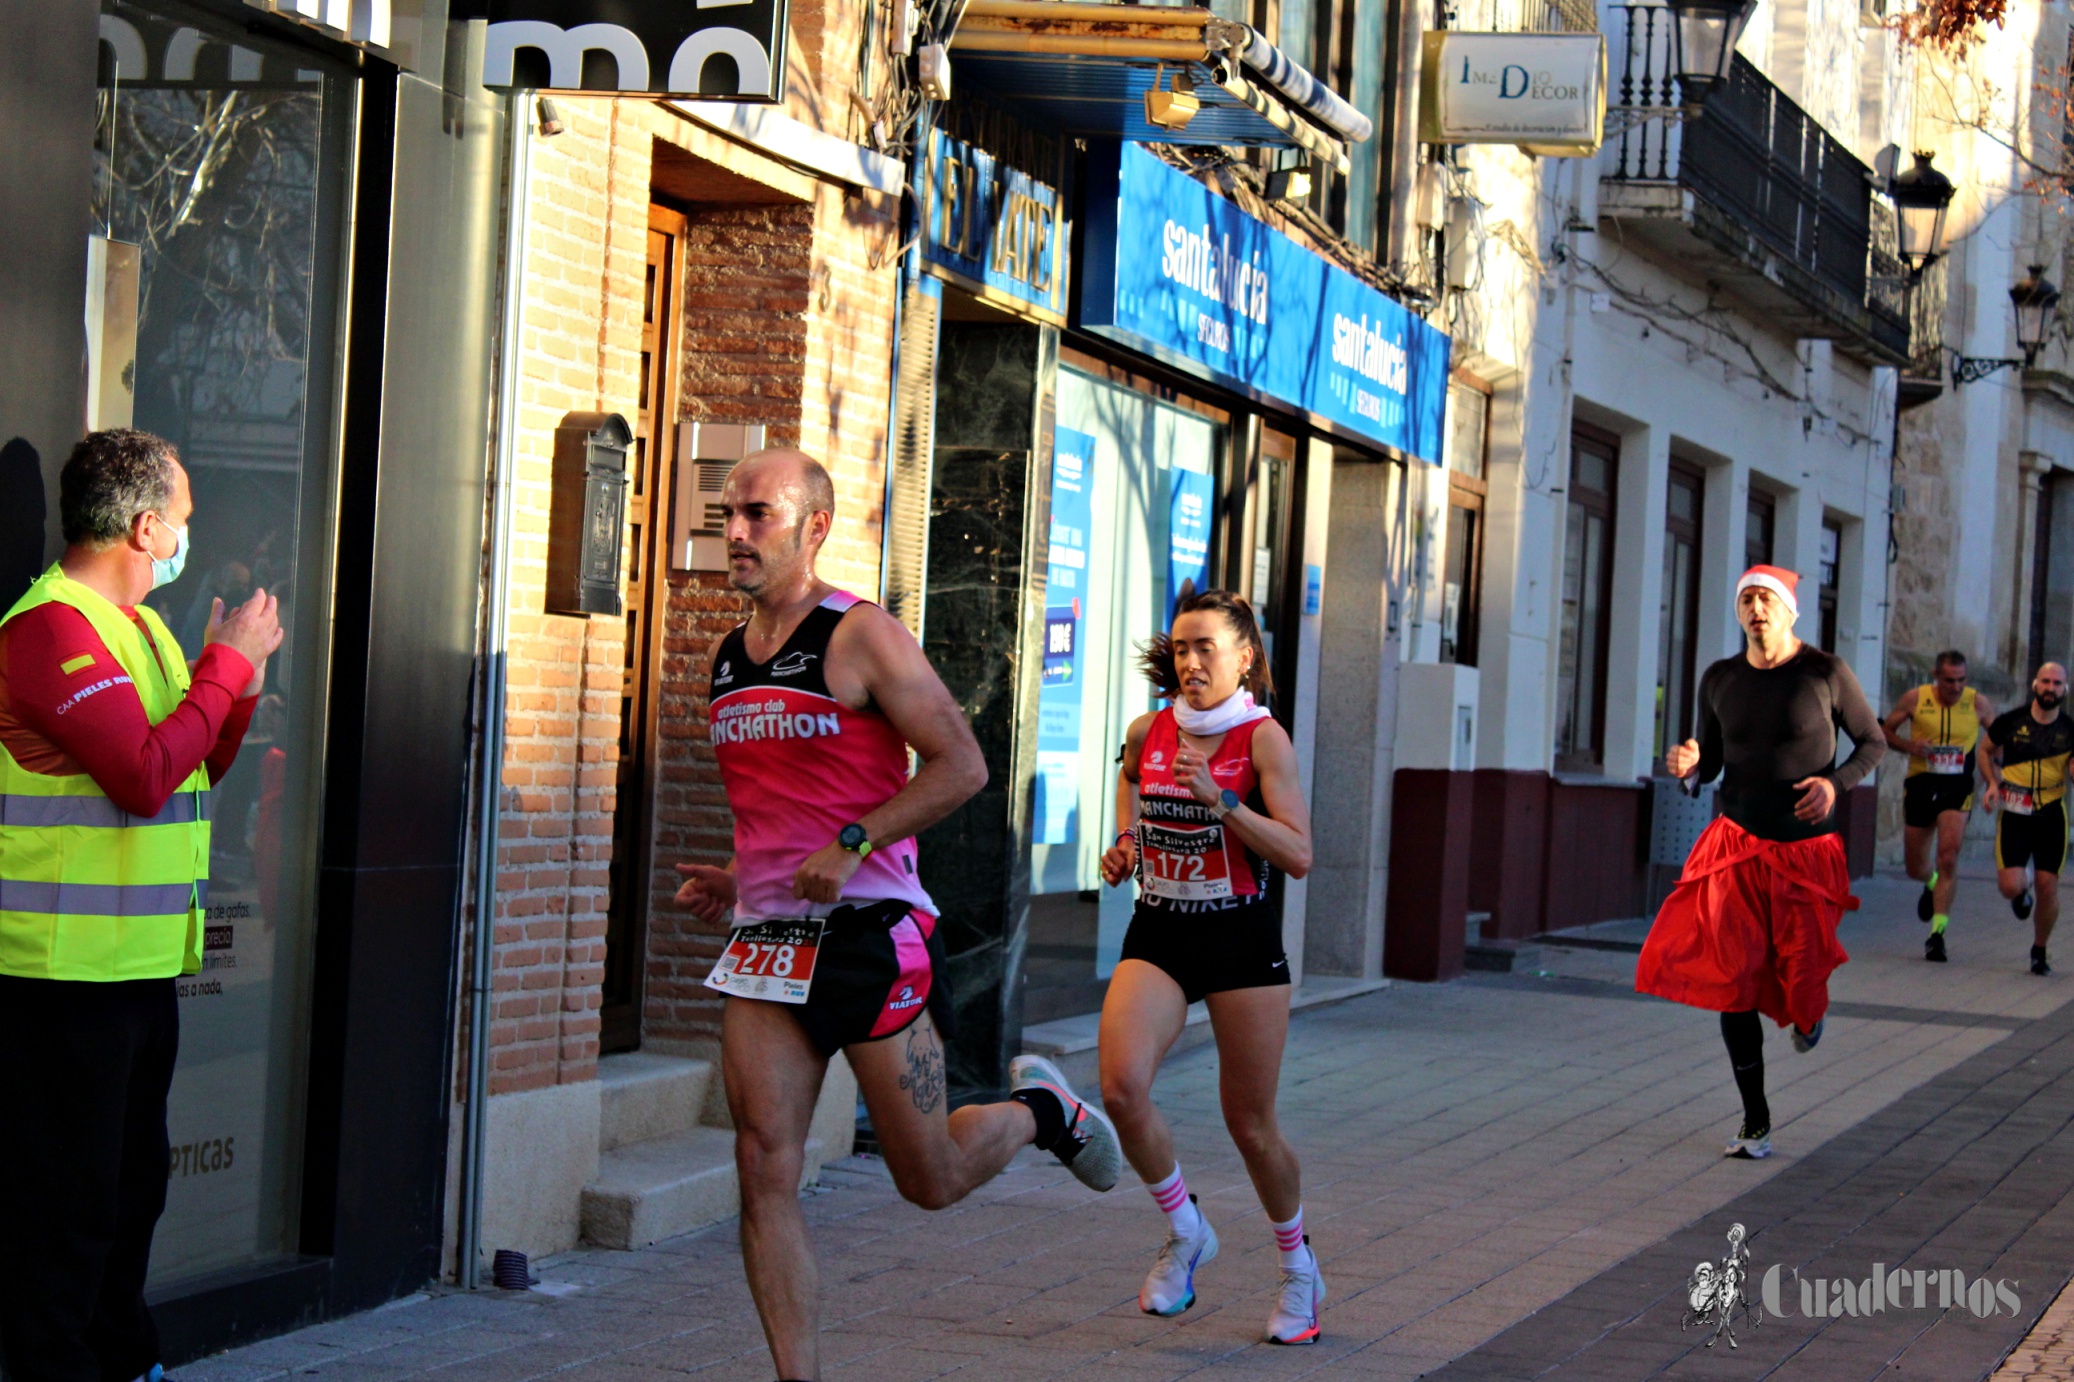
(219, 162)
(1133, 505)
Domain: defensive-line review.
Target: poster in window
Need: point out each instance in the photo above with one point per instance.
(1059, 691)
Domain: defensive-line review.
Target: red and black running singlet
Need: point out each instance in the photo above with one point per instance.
(800, 765)
(1187, 861)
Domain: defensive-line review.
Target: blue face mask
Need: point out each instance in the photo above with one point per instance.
(166, 570)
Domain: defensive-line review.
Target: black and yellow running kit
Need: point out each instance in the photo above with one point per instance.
(1942, 781)
(2032, 827)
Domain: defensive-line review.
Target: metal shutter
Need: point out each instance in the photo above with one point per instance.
(914, 443)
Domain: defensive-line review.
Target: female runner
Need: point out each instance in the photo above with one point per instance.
(1209, 803)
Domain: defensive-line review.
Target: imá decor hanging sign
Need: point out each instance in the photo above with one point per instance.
(1543, 92)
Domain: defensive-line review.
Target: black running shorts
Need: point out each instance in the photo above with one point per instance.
(1926, 796)
(1211, 952)
(2039, 838)
(880, 968)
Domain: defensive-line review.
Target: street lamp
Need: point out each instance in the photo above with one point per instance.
(1922, 195)
(1707, 31)
(2033, 298)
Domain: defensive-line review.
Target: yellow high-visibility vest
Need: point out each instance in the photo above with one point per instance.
(88, 891)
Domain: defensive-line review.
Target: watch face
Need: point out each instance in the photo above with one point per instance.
(1231, 799)
(852, 836)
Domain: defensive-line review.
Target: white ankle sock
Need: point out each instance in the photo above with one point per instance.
(1171, 1195)
(1289, 1241)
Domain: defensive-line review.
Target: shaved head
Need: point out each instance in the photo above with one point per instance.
(780, 505)
(800, 477)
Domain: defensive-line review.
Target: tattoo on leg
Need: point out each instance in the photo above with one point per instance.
(924, 1079)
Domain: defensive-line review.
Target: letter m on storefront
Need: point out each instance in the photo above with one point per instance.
(715, 50)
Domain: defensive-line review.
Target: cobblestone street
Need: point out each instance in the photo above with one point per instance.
(1506, 1176)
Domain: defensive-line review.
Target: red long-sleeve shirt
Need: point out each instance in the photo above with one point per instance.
(66, 707)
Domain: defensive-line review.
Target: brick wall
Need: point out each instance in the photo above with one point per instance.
(787, 321)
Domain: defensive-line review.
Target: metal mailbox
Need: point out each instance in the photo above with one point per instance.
(586, 520)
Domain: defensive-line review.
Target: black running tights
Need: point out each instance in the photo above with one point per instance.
(1744, 1035)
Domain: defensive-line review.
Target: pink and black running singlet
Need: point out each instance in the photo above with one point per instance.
(1187, 860)
(798, 766)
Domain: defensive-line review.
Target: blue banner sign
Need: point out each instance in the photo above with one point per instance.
(1176, 271)
(1059, 690)
(992, 228)
(1190, 494)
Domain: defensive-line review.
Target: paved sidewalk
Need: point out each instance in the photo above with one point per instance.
(1475, 1154)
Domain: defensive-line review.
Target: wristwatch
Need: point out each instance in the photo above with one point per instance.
(1227, 803)
(853, 839)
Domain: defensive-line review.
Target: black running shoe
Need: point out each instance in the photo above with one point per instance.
(2021, 905)
(1933, 948)
(1926, 905)
(2038, 964)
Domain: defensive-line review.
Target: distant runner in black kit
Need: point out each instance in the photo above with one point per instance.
(2024, 757)
(815, 701)
(1751, 926)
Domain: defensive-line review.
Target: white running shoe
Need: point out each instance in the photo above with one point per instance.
(1170, 1286)
(1089, 1149)
(1748, 1146)
(1298, 1300)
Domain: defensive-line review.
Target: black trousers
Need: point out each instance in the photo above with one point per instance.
(84, 1072)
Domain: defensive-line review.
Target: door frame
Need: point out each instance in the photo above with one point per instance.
(624, 985)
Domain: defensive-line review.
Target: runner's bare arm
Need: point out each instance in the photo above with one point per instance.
(1122, 855)
(1988, 755)
(1904, 711)
(1282, 836)
(874, 660)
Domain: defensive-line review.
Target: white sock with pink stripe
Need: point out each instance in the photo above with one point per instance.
(1171, 1195)
(1289, 1241)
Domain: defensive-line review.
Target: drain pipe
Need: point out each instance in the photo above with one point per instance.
(490, 771)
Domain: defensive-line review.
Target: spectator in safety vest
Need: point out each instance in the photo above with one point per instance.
(109, 744)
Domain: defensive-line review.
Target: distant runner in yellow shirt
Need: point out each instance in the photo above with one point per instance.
(1944, 718)
(2024, 758)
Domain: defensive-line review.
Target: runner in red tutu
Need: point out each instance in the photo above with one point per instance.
(1751, 926)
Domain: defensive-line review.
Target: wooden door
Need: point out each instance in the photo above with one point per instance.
(648, 517)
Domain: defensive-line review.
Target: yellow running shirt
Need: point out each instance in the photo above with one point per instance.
(1952, 728)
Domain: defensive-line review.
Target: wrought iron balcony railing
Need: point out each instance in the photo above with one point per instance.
(1771, 172)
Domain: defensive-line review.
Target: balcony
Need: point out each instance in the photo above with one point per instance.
(1755, 196)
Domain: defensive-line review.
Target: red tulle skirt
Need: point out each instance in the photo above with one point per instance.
(1751, 924)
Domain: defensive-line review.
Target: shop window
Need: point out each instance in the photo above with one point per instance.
(1759, 529)
(1133, 511)
(1268, 537)
(212, 274)
(1587, 593)
(1827, 576)
(1461, 591)
(1679, 611)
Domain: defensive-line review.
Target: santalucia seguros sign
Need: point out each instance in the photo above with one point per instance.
(714, 50)
(1175, 271)
(1544, 92)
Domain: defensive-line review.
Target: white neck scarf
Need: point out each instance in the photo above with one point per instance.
(1234, 710)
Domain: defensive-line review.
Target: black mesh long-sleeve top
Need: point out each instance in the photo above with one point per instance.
(1764, 729)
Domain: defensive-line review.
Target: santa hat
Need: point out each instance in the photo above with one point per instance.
(1778, 580)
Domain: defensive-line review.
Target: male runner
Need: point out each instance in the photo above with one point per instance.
(815, 701)
(1751, 926)
(2024, 759)
(1944, 718)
